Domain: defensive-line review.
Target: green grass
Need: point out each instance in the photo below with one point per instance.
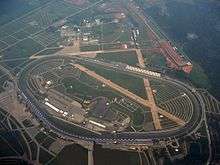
(44, 17)
(111, 46)
(199, 74)
(24, 48)
(143, 37)
(138, 118)
(153, 59)
(89, 48)
(76, 87)
(97, 31)
(109, 29)
(11, 11)
(49, 51)
(128, 57)
(133, 84)
(125, 36)
(111, 32)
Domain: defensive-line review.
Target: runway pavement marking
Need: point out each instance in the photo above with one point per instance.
(153, 107)
(80, 53)
(132, 96)
(140, 58)
(150, 96)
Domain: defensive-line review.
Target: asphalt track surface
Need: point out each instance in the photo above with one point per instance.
(73, 132)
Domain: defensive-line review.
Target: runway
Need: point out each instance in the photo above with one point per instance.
(123, 137)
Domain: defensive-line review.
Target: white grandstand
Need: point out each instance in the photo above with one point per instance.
(148, 72)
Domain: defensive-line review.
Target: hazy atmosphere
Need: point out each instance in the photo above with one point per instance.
(109, 82)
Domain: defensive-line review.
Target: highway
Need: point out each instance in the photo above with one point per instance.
(74, 132)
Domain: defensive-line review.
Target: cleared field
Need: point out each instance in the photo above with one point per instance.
(47, 37)
(138, 118)
(76, 86)
(48, 51)
(153, 59)
(125, 36)
(110, 46)
(110, 32)
(25, 7)
(42, 18)
(23, 49)
(133, 84)
(33, 31)
(127, 57)
(78, 18)
(90, 47)
(142, 38)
